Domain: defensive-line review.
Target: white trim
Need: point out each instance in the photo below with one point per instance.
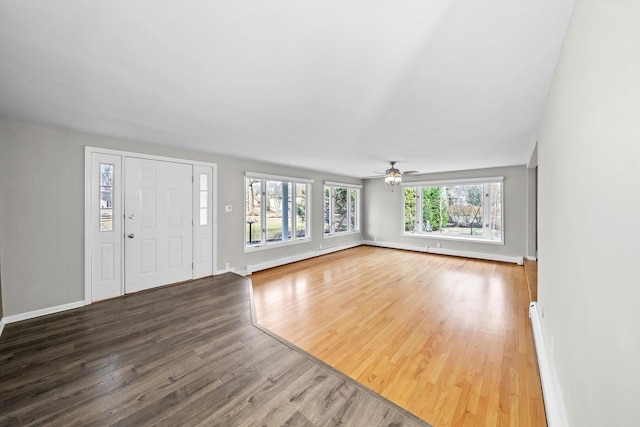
(278, 244)
(342, 184)
(531, 258)
(42, 312)
(123, 153)
(339, 234)
(553, 400)
(226, 270)
(214, 218)
(453, 181)
(1, 327)
(88, 152)
(299, 257)
(440, 251)
(277, 177)
(458, 238)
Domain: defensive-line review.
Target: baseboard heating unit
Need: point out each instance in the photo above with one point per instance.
(553, 402)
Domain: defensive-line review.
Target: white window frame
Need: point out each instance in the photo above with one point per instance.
(486, 181)
(332, 186)
(264, 244)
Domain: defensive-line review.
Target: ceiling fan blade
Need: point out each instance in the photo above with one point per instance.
(410, 172)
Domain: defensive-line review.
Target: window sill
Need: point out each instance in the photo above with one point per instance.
(340, 234)
(276, 245)
(456, 238)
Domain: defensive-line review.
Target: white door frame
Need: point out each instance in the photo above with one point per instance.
(88, 189)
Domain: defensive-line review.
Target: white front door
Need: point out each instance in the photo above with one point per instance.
(157, 223)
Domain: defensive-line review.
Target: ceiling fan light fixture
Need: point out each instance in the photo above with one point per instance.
(394, 179)
(393, 175)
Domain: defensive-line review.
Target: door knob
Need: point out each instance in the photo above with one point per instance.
(130, 236)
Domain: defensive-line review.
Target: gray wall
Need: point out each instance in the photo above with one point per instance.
(1, 309)
(532, 202)
(589, 207)
(383, 212)
(42, 212)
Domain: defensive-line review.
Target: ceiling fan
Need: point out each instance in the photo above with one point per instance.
(393, 176)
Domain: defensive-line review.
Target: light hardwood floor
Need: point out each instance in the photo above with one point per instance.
(531, 269)
(448, 339)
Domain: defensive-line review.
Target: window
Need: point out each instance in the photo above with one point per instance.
(204, 198)
(461, 209)
(341, 208)
(106, 197)
(276, 210)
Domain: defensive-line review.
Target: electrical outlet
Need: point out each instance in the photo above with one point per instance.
(226, 265)
(437, 245)
(227, 208)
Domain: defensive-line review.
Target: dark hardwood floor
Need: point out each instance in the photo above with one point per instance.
(187, 354)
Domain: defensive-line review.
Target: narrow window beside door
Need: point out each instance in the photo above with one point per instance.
(106, 197)
(204, 198)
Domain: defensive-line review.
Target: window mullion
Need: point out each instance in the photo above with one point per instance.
(307, 209)
(263, 212)
(486, 218)
(348, 202)
(332, 201)
(418, 226)
(294, 210)
(355, 209)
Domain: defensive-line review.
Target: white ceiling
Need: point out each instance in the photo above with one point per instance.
(336, 86)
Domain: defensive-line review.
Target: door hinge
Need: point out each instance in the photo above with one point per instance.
(192, 266)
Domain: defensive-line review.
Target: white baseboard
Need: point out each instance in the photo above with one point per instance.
(553, 400)
(532, 258)
(1, 327)
(299, 257)
(442, 251)
(42, 312)
(226, 270)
